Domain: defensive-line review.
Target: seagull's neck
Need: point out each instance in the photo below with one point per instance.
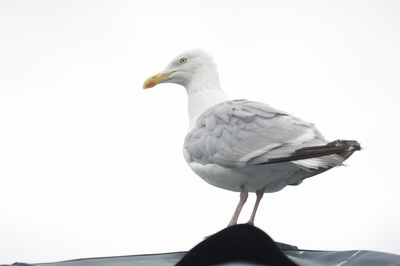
(202, 97)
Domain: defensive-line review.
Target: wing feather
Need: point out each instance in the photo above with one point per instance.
(240, 133)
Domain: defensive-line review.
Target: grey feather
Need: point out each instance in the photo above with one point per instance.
(241, 133)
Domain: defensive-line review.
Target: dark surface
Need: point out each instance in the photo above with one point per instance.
(236, 243)
(241, 245)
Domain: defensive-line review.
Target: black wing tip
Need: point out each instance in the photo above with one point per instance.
(344, 148)
(352, 145)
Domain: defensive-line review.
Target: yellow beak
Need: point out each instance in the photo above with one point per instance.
(155, 79)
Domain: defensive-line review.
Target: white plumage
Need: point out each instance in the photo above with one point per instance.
(242, 145)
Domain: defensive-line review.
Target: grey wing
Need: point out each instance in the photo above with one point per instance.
(240, 133)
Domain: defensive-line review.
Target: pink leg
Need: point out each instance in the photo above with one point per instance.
(260, 194)
(243, 197)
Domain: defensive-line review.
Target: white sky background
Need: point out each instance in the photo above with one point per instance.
(92, 165)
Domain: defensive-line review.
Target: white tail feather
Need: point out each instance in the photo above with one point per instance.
(327, 161)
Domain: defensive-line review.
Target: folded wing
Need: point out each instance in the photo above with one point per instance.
(241, 133)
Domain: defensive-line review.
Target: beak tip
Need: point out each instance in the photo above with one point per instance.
(155, 79)
(148, 85)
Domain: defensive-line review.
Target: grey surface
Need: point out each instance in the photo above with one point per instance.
(301, 257)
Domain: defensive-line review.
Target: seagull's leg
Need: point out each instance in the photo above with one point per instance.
(243, 197)
(260, 194)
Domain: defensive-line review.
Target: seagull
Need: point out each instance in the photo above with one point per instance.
(241, 145)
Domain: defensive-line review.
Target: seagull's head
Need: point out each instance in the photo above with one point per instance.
(188, 67)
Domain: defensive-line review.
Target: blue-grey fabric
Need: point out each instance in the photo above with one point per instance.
(244, 245)
(301, 257)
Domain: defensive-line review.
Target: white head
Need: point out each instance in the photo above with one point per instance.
(193, 69)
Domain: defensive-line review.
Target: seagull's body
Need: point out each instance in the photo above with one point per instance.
(242, 145)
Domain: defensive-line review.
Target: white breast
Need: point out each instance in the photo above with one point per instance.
(201, 100)
(273, 177)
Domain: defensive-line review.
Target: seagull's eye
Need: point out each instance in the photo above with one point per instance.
(182, 60)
